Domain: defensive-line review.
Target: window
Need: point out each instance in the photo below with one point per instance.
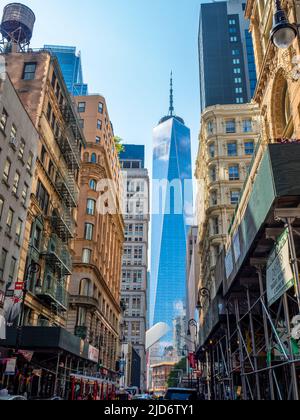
(90, 207)
(2, 262)
(237, 80)
(29, 71)
(88, 231)
(13, 134)
(212, 150)
(42, 197)
(100, 107)
(81, 123)
(239, 100)
(49, 112)
(215, 225)
(3, 120)
(249, 148)
(236, 61)
(234, 197)
(237, 70)
(86, 256)
(213, 174)
(232, 149)
(233, 39)
(16, 183)
(93, 185)
(53, 81)
(232, 22)
(43, 155)
(210, 127)
(9, 220)
(98, 140)
(1, 207)
(12, 270)
(21, 149)
(230, 126)
(81, 107)
(30, 162)
(24, 194)
(6, 171)
(214, 198)
(238, 90)
(19, 230)
(36, 239)
(234, 173)
(99, 124)
(93, 158)
(235, 52)
(247, 126)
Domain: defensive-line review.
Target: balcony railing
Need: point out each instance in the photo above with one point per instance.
(57, 256)
(53, 293)
(68, 190)
(69, 151)
(62, 224)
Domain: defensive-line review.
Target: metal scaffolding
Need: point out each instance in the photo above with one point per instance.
(252, 352)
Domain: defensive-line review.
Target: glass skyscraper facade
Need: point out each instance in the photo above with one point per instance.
(71, 67)
(226, 56)
(172, 201)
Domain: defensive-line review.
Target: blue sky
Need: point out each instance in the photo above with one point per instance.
(128, 50)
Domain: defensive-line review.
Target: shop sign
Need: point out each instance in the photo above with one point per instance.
(10, 367)
(93, 355)
(280, 276)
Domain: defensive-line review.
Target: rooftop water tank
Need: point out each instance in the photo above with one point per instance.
(17, 23)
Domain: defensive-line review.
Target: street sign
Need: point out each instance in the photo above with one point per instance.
(280, 276)
(19, 285)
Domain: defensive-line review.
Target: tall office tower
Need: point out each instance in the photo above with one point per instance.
(172, 199)
(71, 67)
(226, 56)
(135, 260)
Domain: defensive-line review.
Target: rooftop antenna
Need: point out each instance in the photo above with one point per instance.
(171, 109)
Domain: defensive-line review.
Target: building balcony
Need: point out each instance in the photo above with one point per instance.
(53, 293)
(58, 257)
(68, 190)
(69, 151)
(63, 225)
(84, 301)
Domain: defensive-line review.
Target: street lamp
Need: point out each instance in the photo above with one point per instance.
(283, 32)
(204, 293)
(192, 323)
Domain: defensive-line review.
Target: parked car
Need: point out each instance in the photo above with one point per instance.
(181, 394)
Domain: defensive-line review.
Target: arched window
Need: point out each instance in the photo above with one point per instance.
(93, 185)
(94, 158)
(86, 157)
(286, 112)
(85, 288)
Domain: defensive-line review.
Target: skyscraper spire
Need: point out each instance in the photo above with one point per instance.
(171, 109)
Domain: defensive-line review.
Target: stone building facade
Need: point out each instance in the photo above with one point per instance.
(228, 141)
(94, 312)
